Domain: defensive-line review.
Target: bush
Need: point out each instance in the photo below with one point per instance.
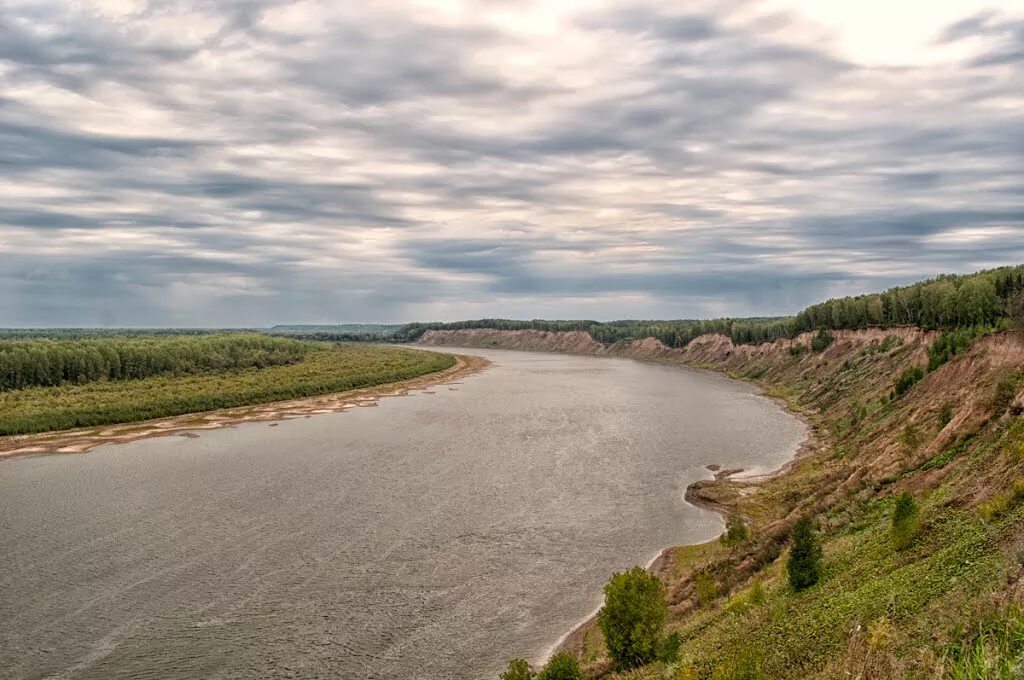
(881, 633)
(804, 566)
(668, 648)
(632, 617)
(904, 521)
(1006, 390)
(706, 590)
(946, 414)
(822, 340)
(562, 666)
(735, 531)
(756, 597)
(951, 343)
(910, 437)
(907, 380)
(518, 669)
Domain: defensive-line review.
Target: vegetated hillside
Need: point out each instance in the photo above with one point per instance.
(936, 592)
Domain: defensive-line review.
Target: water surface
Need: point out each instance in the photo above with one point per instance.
(431, 537)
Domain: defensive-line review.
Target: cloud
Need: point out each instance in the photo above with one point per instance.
(255, 162)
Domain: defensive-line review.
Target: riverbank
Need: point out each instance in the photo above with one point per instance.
(706, 494)
(81, 440)
(954, 441)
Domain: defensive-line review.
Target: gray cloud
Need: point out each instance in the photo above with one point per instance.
(247, 163)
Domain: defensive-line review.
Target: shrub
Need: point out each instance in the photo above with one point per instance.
(904, 521)
(1006, 390)
(946, 414)
(735, 531)
(668, 648)
(951, 343)
(737, 605)
(756, 597)
(910, 437)
(518, 669)
(907, 380)
(706, 590)
(632, 617)
(881, 633)
(562, 666)
(822, 340)
(1013, 440)
(804, 565)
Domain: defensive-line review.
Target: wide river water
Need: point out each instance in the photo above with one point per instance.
(432, 537)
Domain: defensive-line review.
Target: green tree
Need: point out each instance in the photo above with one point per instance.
(904, 521)
(518, 669)
(562, 666)
(632, 617)
(804, 565)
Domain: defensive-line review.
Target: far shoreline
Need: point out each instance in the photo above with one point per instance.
(83, 440)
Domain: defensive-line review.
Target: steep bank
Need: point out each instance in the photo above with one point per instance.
(955, 440)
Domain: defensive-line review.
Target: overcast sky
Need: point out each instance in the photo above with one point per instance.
(250, 162)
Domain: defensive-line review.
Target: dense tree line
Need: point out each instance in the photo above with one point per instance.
(87, 333)
(336, 336)
(48, 363)
(951, 302)
(413, 331)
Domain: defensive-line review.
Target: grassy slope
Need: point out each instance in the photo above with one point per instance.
(878, 612)
(325, 370)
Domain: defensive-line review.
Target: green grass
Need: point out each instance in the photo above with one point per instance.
(325, 369)
(867, 586)
(993, 649)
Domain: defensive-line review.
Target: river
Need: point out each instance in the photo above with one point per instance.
(431, 537)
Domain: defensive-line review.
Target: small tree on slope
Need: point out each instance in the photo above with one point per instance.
(904, 521)
(805, 557)
(518, 669)
(561, 667)
(632, 618)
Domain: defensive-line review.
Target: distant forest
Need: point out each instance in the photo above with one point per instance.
(984, 300)
(963, 305)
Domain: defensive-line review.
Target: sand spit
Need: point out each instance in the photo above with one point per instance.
(85, 439)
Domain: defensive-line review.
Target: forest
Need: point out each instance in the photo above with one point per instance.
(319, 369)
(48, 363)
(987, 299)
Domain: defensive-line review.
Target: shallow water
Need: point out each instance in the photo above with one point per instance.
(434, 536)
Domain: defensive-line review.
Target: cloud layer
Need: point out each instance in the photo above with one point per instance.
(260, 161)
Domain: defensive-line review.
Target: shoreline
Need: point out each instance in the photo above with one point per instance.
(573, 639)
(83, 440)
